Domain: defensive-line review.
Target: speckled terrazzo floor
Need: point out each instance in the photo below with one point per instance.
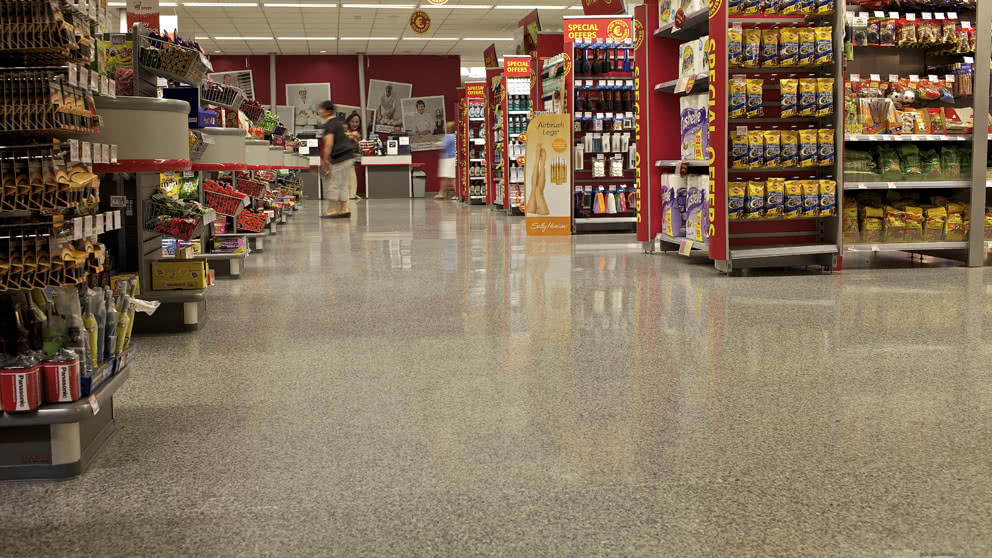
(425, 381)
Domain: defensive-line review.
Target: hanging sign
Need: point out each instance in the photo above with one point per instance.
(603, 7)
(143, 11)
(489, 56)
(420, 22)
(438, 2)
(516, 66)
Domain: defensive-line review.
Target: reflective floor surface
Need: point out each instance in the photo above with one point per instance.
(425, 380)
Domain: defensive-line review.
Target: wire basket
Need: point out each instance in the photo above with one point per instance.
(161, 219)
(248, 221)
(250, 187)
(253, 111)
(226, 96)
(171, 61)
(224, 204)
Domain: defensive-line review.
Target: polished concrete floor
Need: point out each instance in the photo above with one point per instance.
(426, 381)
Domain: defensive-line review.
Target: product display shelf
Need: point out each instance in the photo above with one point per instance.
(475, 145)
(516, 110)
(600, 83)
(966, 186)
(695, 24)
(461, 151)
(496, 99)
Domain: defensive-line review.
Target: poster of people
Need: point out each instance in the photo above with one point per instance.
(384, 100)
(423, 119)
(345, 111)
(305, 98)
(237, 78)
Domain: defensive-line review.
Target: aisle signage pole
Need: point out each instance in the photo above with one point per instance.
(716, 49)
(980, 134)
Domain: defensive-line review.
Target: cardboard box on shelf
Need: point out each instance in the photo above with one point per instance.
(179, 275)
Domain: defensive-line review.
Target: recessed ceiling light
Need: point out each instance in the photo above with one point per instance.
(323, 52)
(369, 39)
(457, 6)
(381, 6)
(216, 52)
(487, 39)
(306, 38)
(429, 38)
(116, 4)
(220, 4)
(281, 5)
(511, 7)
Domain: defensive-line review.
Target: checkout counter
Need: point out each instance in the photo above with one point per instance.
(389, 175)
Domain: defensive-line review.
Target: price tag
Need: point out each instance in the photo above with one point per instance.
(88, 226)
(86, 151)
(113, 154)
(73, 75)
(117, 201)
(117, 219)
(915, 137)
(932, 77)
(861, 186)
(83, 79)
(77, 228)
(680, 86)
(94, 404)
(742, 130)
(105, 86)
(949, 78)
(894, 15)
(98, 224)
(887, 137)
(952, 15)
(112, 89)
(875, 247)
(106, 153)
(685, 247)
(876, 77)
(927, 16)
(690, 83)
(108, 222)
(879, 13)
(855, 77)
(969, 60)
(910, 17)
(893, 77)
(914, 78)
(611, 83)
(938, 15)
(891, 185)
(73, 151)
(965, 25)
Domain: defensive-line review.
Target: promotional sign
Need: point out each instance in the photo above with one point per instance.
(528, 29)
(717, 43)
(516, 66)
(647, 54)
(489, 56)
(420, 22)
(475, 90)
(548, 181)
(608, 29)
(603, 7)
(143, 11)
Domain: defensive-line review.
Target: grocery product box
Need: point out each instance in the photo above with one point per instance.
(179, 275)
(234, 245)
(170, 245)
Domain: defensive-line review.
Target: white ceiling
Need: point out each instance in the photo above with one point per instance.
(269, 27)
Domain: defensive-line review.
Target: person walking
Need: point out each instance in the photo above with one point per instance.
(336, 162)
(446, 165)
(354, 132)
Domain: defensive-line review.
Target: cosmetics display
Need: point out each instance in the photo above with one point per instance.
(515, 108)
(473, 142)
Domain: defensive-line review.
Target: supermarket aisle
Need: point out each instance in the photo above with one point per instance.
(425, 381)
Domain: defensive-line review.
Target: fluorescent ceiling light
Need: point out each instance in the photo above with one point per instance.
(456, 6)
(487, 39)
(575, 7)
(511, 7)
(280, 5)
(306, 38)
(429, 38)
(381, 6)
(369, 39)
(323, 52)
(236, 38)
(122, 4)
(220, 4)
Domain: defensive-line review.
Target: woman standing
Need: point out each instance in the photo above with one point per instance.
(446, 165)
(353, 130)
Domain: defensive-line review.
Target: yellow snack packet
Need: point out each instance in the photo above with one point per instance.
(807, 96)
(735, 47)
(933, 230)
(738, 98)
(811, 198)
(788, 47)
(775, 198)
(828, 198)
(824, 37)
(790, 148)
(769, 48)
(739, 150)
(807, 46)
(755, 98)
(756, 149)
(825, 147)
(914, 224)
(773, 148)
(755, 208)
(793, 199)
(808, 148)
(824, 96)
(752, 48)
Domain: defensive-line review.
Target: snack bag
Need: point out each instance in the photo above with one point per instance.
(736, 194)
(735, 47)
(738, 98)
(769, 47)
(775, 198)
(788, 50)
(790, 97)
(808, 148)
(793, 199)
(811, 198)
(824, 96)
(914, 224)
(988, 223)
(751, 7)
(756, 149)
(755, 203)
(788, 7)
(807, 97)
(849, 222)
(933, 227)
(806, 6)
(807, 46)
(909, 158)
(773, 148)
(825, 143)
(823, 7)
(752, 48)
(828, 198)
(824, 45)
(954, 228)
(771, 7)
(755, 98)
(739, 150)
(790, 148)
(871, 224)
(733, 7)
(893, 225)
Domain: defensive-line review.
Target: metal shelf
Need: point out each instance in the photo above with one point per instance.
(518, 112)
(784, 170)
(906, 246)
(779, 251)
(65, 413)
(898, 185)
(477, 178)
(700, 248)
(675, 163)
(695, 25)
(907, 137)
(590, 220)
(701, 83)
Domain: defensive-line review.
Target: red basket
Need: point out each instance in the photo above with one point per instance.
(249, 221)
(224, 204)
(250, 187)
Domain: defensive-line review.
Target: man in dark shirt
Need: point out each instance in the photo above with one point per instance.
(336, 162)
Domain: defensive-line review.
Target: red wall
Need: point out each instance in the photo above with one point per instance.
(430, 76)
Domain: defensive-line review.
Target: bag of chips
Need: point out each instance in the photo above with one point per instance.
(894, 225)
(933, 229)
(871, 224)
(914, 224)
(849, 222)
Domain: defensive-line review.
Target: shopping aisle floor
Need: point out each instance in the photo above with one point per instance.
(426, 381)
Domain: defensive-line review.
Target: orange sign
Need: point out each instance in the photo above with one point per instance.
(549, 226)
(523, 137)
(420, 22)
(516, 67)
(559, 145)
(614, 29)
